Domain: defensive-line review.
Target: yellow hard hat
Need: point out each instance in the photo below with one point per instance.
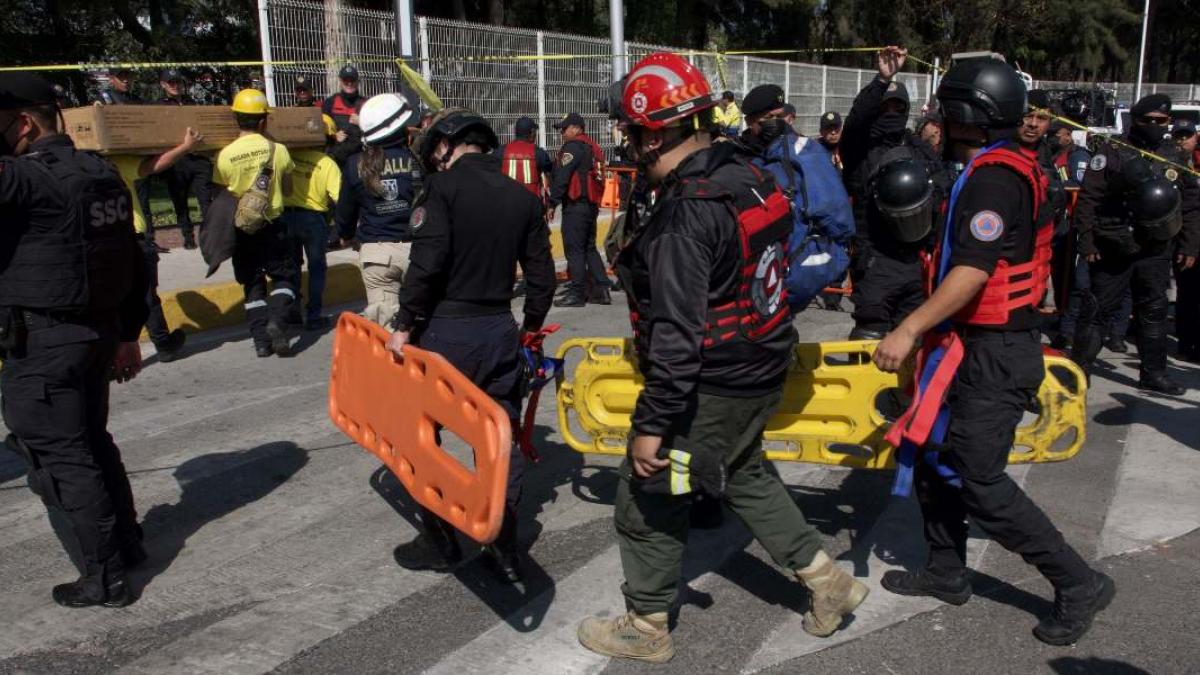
(250, 102)
(330, 125)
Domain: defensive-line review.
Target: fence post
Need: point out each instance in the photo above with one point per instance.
(541, 87)
(858, 80)
(824, 87)
(745, 75)
(787, 81)
(264, 33)
(426, 71)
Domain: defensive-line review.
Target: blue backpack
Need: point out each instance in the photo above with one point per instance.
(823, 221)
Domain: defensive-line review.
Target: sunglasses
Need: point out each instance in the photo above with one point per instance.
(1154, 119)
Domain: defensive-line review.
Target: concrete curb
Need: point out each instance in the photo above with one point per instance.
(219, 305)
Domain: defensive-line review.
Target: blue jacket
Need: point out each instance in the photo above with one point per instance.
(817, 187)
(375, 218)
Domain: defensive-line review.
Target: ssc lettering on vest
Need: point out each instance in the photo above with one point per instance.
(109, 211)
(397, 165)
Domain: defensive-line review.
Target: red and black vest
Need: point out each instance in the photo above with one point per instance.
(520, 164)
(1011, 286)
(588, 181)
(336, 107)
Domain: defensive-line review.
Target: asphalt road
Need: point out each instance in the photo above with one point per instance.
(270, 540)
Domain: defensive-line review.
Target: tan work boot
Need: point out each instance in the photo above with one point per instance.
(834, 595)
(629, 636)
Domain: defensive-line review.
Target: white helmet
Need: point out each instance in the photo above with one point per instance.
(383, 116)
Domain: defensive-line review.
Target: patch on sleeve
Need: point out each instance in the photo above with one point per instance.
(567, 158)
(987, 226)
(1171, 174)
(1098, 163)
(417, 219)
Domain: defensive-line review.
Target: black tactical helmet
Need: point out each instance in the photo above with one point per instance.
(1155, 206)
(983, 92)
(612, 104)
(452, 124)
(904, 195)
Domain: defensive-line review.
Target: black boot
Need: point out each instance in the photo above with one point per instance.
(104, 585)
(572, 298)
(955, 590)
(263, 350)
(502, 555)
(435, 549)
(1074, 609)
(277, 331)
(1160, 383)
(189, 241)
(1116, 345)
(599, 296)
(171, 348)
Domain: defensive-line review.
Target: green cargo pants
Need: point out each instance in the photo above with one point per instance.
(652, 528)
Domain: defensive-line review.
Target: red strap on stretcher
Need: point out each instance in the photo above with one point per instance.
(917, 422)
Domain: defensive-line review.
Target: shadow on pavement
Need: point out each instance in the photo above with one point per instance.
(524, 605)
(240, 478)
(1071, 665)
(1170, 421)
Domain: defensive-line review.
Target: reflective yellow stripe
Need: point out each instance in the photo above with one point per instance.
(681, 476)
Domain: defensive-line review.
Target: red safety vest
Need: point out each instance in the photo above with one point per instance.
(764, 227)
(1011, 286)
(520, 164)
(591, 179)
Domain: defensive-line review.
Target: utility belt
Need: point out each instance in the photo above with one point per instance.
(16, 324)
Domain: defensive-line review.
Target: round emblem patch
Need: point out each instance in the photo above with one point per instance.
(767, 290)
(567, 158)
(417, 219)
(987, 226)
(1171, 174)
(638, 102)
(1098, 163)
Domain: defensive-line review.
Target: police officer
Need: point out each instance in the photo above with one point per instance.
(471, 227)
(120, 88)
(192, 174)
(1187, 280)
(72, 303)
(344, 107)
(1134, 213)
(524, 161)
(994, 227)
(578, 185)
(831, 135)
(204, 90)
(714, 340)
(376, 201)
(886, 266)
(302, 89)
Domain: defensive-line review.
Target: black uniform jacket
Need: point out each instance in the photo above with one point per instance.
(471, 227)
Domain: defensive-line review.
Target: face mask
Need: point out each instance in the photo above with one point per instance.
(1149, 136)
(7, 149)
(771, 129)
(889, 125)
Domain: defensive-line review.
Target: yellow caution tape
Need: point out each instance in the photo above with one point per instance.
(419, 85)
(1109, 138)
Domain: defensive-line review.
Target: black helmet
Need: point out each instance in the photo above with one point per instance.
(1155, 206)
(904, 195)
(452, 124)
(348, 72)
(983, 92)
(612, 103)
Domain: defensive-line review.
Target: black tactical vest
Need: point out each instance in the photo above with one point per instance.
(72, 250)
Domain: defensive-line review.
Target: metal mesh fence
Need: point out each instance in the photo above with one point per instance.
(449, 54)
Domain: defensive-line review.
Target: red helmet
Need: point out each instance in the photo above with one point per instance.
(664, 88)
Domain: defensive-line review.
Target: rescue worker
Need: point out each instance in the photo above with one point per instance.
(997, 239)
(1134, 213)
(727, 116)
(316, 186)
(133, 168)
(344, 107)
(709, 389)
(578, 185)
(191, 175)
(886, 266)
(831, 135)
(376, 201)
(264, 255)
(302, 90)
(72, 304)
(930, 130)
(471, 228)
(1187, 280)
(120, 88)
(523, 161)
